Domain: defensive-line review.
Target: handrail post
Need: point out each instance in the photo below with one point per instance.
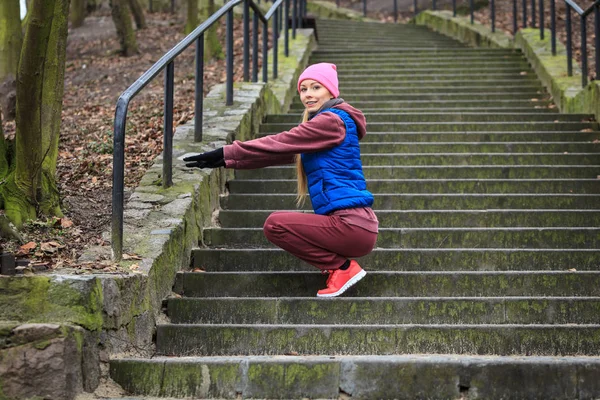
(515, 17)
(416, 7)
(199, 94)
(255, 47)
(553, 25)
(294, 17)
(471, 6)
(533, 14)
(287, 27)
(364, 8)
(584, 60)
(265, 49)
(434, 5)
(396, 11)
(542, 20)
(246, 40)
(229, 84)
(524, 13)
(597, 39)
(168, 126)
(569, 48)
(493, 15)
(275, 45)
(454, 8)
(118, 180)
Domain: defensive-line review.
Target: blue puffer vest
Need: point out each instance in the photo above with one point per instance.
(335, 176)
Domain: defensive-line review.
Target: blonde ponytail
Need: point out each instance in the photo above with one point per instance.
(302, 185)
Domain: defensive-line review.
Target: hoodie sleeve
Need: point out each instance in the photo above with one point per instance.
(323, 132)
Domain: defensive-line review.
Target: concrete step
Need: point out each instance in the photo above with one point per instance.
(389, 45)
(532, 90)
(507, 66)
(480, 259)
(442, 218)
(484, 147)
(586, 135)
(450, 159)
(214, 340)
(446, 84)
(447, 172)
(298, 108)
(458, 127)
(432, 116)
(389, 310)
(433, 238)
(462, 105)
(445, 76)
(392, 284)
(420, 201)
(413, 54)
(381, 186)
(362, 377)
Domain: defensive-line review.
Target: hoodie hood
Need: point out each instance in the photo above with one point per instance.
(355, 114)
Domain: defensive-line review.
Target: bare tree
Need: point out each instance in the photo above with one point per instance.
(138, 14)
(78, 13)
(29, 190)
(191, 22)
(122, 21)
(11, 38)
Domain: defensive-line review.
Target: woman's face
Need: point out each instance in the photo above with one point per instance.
(313, 95)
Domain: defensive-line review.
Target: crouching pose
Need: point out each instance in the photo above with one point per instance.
(325, 148)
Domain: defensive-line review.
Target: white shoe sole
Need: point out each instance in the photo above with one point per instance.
(347, 286)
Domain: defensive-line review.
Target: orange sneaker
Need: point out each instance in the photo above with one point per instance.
(339, 281)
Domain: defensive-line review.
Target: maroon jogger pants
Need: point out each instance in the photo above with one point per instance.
(320, 240)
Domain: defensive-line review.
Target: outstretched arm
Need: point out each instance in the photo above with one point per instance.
(323, 132)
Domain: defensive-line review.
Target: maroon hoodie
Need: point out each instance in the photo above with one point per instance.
(324, 131)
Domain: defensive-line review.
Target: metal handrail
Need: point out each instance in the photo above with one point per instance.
(571, 5)
(166, 63)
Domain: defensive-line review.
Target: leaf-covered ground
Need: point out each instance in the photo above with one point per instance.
(95, 77)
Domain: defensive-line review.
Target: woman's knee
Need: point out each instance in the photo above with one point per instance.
(272, 227)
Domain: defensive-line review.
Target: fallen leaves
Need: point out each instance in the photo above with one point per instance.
(94, 78)
(51, 247)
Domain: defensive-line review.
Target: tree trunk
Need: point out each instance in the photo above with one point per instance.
(212, 46)
(30, 190)
(138, 14)
(92, 5)
(78, 13)
(3, 158)
(11, 38)
(125, 32)
(192, 16)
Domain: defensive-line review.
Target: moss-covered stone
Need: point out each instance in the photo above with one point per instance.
(328, 10)
(52, 299)
(460, 28)
(295, 379)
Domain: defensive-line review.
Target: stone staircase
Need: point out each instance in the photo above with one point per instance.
(485, 280)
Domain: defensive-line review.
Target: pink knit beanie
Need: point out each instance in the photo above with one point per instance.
(325, 74)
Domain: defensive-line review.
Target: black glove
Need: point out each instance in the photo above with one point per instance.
(210, 159)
